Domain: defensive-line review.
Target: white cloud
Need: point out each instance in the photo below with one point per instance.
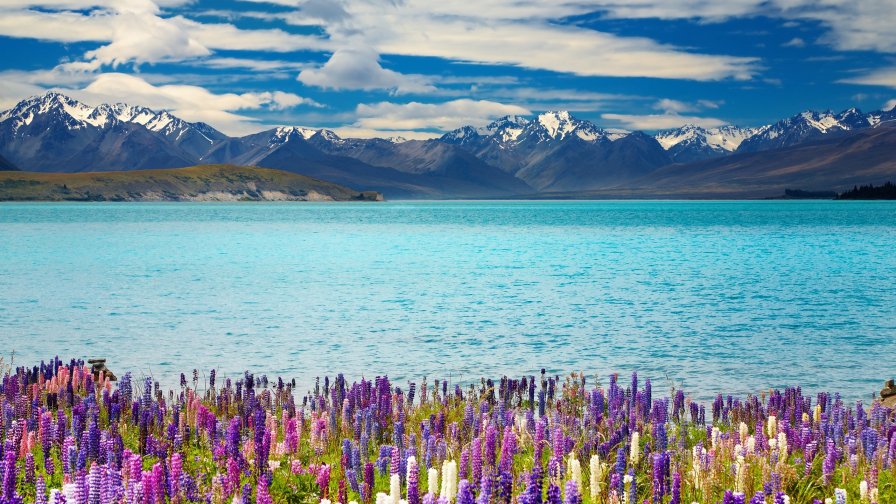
(360, 69)
(853, 24)
(880, 77)
(521, 34)
(443, 116)
(670, 106)
(890, 105)
(662, 121)
(256, 65)
(136, 31)
(795, 42)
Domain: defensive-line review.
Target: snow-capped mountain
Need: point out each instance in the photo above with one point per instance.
(54, 132)
(552, 151)
(694, 143)
(549, 127)
(805, 126)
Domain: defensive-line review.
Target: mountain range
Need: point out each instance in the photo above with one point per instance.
(552, 153)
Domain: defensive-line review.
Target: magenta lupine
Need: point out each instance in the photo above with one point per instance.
(262, 495)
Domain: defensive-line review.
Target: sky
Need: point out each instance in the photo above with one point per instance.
(419, 68)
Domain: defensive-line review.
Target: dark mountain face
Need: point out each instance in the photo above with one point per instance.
(576, 164)
(6, 165)
(425, 157)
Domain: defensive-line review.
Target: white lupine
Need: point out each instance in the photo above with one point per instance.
(782, 445)
(716, 437)
(626, 482)
(786, 499)
(395, 488)
(744, 431)
(449, 480)
(741, 478)
(326, 501)
(634, 453)
(863, 490)
(597, 476)
(829, 501)
(382, 498)
(771, 428)
(432, 477)
(751, 444)
(873, 496)
(574, 471)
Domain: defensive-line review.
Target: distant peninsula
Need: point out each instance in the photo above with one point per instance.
(197, 183)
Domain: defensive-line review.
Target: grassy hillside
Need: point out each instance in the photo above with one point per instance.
(197, 183)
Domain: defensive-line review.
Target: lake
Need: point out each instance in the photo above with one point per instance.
(712, 296)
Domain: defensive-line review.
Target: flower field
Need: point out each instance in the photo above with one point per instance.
(73, 437)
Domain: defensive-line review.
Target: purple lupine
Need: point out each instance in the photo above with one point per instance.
(476, 458)
(368, 482)
(464, 492)
(9, 475)
(553, 494)
(40, 490)
(413, 482)
(485, 489)
(572, 493)
(676, 489)
(491, 440)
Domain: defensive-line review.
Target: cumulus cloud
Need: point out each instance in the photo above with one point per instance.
(360, 69)
(795, 42)
(443, 116)
(890, 105)
(662, 121)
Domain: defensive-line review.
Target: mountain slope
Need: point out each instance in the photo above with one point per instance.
(833, 163)
(431, 158)
(6, 165)
(198, 183)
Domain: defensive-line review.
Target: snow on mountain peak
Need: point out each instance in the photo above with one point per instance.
(558, 124)
(724, 138)
(285, 133)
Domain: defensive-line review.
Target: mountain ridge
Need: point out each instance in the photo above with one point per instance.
(551, 152)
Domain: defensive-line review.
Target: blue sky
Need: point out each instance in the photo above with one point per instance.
(417, 68)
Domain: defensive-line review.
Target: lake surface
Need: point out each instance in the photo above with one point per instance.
(731, 297)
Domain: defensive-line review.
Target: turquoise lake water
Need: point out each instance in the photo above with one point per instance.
(731, 297)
